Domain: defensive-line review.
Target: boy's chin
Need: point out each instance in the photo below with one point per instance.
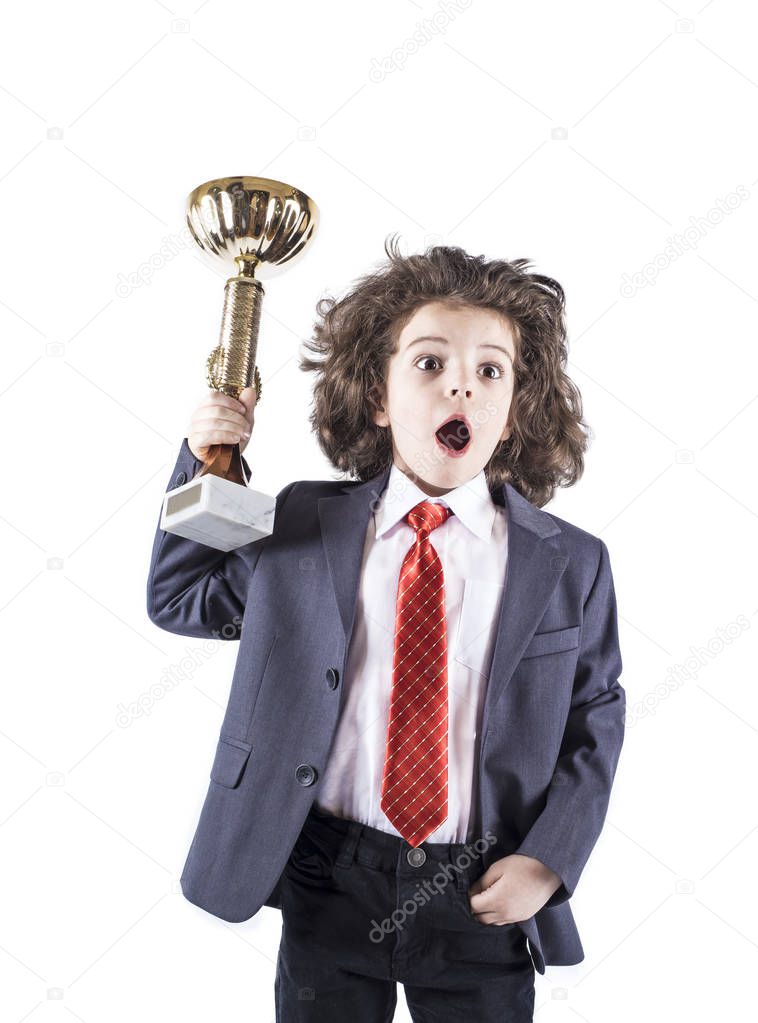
(444, 477)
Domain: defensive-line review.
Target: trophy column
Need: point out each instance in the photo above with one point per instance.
(231, 364)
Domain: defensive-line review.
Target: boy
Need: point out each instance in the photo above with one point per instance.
(425, 718)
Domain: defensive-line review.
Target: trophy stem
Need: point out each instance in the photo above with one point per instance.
(231, 364)
(224, 460)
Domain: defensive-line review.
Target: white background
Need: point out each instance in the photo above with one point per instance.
(600, 140)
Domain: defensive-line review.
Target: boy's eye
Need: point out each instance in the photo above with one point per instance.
(433, 358)
(498, 367)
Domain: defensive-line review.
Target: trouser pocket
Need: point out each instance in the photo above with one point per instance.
(312, 856)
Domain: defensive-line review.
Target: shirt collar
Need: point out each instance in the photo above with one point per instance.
(471, 502)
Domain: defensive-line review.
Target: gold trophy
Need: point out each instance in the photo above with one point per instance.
(255, 227)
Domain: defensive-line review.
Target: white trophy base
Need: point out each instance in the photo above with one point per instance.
(218, 513)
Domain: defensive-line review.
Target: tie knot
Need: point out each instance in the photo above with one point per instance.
(427, 515)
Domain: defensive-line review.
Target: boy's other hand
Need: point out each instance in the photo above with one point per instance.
(221, 419)
(512, 888)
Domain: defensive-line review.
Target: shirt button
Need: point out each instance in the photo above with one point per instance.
(332, 678)
(181, 478)
(416, 857)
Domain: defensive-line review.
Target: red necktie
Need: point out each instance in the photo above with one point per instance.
(414, 786)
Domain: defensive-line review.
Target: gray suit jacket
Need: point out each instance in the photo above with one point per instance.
(553, 722)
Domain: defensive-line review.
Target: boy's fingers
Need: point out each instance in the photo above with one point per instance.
(220, 398)
(248, 398)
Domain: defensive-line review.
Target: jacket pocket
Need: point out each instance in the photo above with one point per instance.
(552, 642)
(229, 762)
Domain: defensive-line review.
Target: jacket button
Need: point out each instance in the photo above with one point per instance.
(306, 774)
(181, 478)
(332, 678)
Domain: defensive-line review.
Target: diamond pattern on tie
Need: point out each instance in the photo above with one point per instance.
(414, 784)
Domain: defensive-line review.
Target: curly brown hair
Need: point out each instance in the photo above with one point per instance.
(355, 337)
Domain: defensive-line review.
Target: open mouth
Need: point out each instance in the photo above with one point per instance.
(454, 435)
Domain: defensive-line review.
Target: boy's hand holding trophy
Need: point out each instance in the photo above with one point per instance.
(256, 227)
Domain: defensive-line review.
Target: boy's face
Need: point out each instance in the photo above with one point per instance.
(450, 361)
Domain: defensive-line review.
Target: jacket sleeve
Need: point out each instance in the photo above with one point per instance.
(196, 590)
(563, 835)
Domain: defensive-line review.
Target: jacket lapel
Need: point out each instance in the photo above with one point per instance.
(344, 520)
(536, 561)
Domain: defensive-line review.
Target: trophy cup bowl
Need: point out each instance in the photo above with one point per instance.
(256, 228)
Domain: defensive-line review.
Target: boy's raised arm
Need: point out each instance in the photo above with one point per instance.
(566, 830)
(193, 589)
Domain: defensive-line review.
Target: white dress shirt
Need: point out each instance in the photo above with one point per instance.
(473, 549)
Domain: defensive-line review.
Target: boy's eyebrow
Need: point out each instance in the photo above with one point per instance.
(444, 341)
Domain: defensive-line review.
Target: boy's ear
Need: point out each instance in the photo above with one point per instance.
(379, 416)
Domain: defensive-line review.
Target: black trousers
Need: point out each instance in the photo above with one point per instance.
(362, 911)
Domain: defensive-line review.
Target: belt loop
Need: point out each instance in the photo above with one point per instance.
(463, 870)
(349, 844)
